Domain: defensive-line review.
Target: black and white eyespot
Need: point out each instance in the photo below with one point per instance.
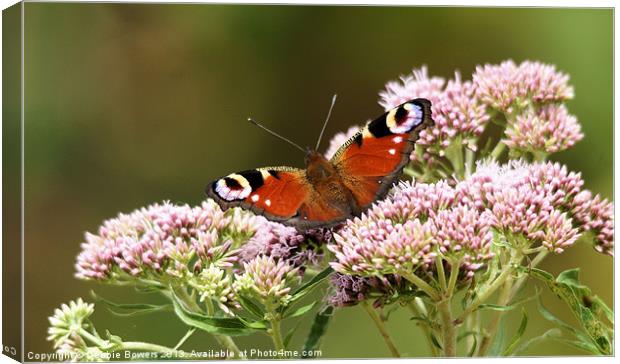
(233, 187)
(404, 118)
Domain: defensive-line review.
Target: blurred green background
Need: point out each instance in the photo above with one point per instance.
(127, 105)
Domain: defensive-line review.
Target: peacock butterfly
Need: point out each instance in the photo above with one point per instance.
(328, 192)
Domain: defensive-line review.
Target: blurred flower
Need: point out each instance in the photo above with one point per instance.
(416, 84)
(463, 235)
(339, 139)
(549, 130)
(506, 86)
(597, 215)
(268, 279)
(68, 321)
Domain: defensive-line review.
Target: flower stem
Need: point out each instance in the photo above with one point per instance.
(469, 161)
(425, 287)
(447, 327)
(425, 326)
(486, 294)
(504, 298)
(382, 329)
(498, 150)
(276, 336)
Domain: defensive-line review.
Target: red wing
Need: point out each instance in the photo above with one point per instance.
(373, 159)
(280, 194)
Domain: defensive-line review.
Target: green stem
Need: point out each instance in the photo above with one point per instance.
(535, 262)
(498, 150)
(189, 333)
(454, 274)
(470, 157)
(382, 329)
(443, 285)
(504, 298)
(447, 327)
(486, 293)
(276, 336)
(421, 311)
(425, 287)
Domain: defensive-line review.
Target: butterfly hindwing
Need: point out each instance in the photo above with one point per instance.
(373, 159)
(280, 194)
(276, 192)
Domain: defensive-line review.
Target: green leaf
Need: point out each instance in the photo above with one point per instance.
(497, 342)
(318, 329)
(494, 307)
(549, 334)
(435, 342)
(300, 311)
(215, 325)
(520, 331)
(251, 306)
(474, 345)
(310, 285)
(129, 309)
(289, 335)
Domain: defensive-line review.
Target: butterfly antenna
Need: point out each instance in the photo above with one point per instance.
(329, 113)
(276, 134)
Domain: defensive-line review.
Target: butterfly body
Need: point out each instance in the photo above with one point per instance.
(329, 191)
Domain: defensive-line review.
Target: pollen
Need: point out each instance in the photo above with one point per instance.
(392, 151)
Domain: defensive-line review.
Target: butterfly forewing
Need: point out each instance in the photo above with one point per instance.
(373, 159)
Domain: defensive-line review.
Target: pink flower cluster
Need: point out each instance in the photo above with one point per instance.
(166, 238)
(162, 238)
(551, 129)
(508, 86)
(529, 204)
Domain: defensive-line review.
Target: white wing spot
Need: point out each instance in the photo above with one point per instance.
(255, 198)
(397, 139)
(268, 202)
(392, 151)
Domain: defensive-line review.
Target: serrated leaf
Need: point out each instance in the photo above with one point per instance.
(317, 330)
(231, 326)
(520, 331)
(131, 309)
(301, 310)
